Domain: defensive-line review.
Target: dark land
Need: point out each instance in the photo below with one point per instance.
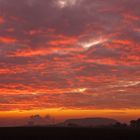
(69, 133)
(75, 129)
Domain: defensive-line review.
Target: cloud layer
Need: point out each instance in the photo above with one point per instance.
(69, 54)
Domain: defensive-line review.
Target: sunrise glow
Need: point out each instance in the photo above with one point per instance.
(69, 58)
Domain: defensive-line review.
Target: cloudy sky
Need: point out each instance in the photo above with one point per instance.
(69, 54)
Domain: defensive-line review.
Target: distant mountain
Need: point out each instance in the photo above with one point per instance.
(88, 122)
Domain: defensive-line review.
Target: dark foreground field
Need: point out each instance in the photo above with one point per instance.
(41, 133)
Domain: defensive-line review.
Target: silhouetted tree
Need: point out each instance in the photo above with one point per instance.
(34, 120)
(49, 119)
(135, 123)
(30, 123)
(120, 125)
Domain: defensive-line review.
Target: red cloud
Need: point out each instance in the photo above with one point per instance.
(131, 17)
(2, 20)
(7, 40)
(64, 41)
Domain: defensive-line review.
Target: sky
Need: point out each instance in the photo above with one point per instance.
(70, 58)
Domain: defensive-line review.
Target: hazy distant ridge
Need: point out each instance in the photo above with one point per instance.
(88, 122)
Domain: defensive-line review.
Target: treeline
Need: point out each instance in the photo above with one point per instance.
(132, 124)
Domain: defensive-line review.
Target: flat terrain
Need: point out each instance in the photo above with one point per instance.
(46, 133)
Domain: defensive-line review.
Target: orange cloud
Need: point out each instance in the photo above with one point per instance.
(7, 40)
(63, 41)
(130, 17)
(122, 42)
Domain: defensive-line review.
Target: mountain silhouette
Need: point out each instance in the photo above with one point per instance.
(86, 122)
